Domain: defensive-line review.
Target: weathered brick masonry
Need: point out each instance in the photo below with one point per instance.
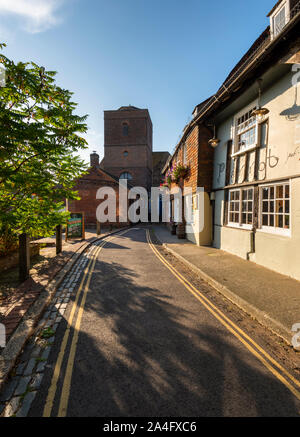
(199, 158)
(87, 187)
(128, 144)
(195, 152)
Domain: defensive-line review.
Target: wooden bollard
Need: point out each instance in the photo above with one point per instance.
(24, 257)
(98, 228)
(58, 239)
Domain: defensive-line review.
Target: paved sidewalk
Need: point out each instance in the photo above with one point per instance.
(34, 297)
(13, 310)
(270, 297)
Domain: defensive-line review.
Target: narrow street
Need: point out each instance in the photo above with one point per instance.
(137, 340)
(149, 212)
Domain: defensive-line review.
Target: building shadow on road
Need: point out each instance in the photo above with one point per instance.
(146, 356)
(155, 352)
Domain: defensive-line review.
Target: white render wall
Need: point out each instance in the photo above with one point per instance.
(282, 157)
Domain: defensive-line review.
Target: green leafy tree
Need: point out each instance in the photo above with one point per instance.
(39, 134)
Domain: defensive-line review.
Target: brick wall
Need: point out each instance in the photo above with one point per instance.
(199, 158)
(205, 159)
(87, 187)
(138, 163)
(137, 143)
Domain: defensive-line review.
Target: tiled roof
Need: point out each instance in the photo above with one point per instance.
(274, 7)
(200, 105)
(263, 38)
(252, 58)
(114, 177)
(157, 157)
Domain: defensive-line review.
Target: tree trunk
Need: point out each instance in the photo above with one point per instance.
(58, 239)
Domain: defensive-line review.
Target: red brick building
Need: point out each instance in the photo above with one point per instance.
(194, 151)
(127, 155)
(87, 187)
(128, 145)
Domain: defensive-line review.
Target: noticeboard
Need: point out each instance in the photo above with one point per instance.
(75, 226)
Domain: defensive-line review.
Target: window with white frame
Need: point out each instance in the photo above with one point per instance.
(246, 131)
(234, 207)
(240, 207)
(189, 205)
(275, 208)
(280, 18)
(247, 207)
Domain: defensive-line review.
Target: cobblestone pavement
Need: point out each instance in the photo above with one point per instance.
(26, 378)
(15, 306)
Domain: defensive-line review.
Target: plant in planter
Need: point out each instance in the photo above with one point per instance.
(180, 171)
(169, 180)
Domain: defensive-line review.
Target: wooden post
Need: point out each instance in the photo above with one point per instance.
(98, 228)
(58, 239)
(67, 209)
(83, 226)
(24, 257)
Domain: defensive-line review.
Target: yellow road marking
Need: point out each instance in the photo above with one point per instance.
(65, 394)
(234, 329)
(295, 381)
(63, 406)
(53, 387)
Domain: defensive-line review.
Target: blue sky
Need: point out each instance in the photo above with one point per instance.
(164, 55)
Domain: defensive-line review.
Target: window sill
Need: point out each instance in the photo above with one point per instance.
(242, 152)
(239, 227)
(275, 231)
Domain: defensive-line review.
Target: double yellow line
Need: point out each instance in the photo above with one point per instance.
(65, 394)
(272, 365)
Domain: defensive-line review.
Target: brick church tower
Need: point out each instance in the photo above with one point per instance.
(128, 145)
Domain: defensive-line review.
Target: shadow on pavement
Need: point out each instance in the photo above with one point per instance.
(153, 351)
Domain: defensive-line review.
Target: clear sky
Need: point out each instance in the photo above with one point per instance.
(164, 55)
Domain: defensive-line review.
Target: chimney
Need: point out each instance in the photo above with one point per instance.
(94, 157)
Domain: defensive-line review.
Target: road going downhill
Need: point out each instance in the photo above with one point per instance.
(142, 344)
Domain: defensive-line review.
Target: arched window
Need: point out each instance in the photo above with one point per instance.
(126, 175)
(125, 129)
(125, 153)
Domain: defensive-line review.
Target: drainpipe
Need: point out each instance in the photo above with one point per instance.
(213, 207)
(252, 243)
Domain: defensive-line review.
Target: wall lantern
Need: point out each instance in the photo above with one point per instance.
(214, 142)
(259, 112)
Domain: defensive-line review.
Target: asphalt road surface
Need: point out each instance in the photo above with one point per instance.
(141, 344)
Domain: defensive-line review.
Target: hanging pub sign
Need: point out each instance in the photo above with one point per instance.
(75, 226)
